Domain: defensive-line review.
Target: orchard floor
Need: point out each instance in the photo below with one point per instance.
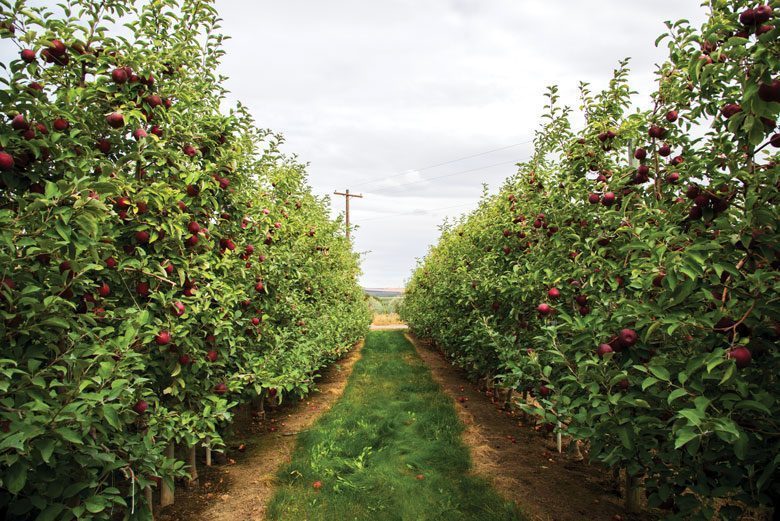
(522, 464)
(404, 436)
(240, 488)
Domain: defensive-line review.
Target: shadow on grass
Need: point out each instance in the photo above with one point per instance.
(390, 449)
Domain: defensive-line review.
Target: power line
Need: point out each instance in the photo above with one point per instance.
(429, 167)
(415, 212)
(442, 176)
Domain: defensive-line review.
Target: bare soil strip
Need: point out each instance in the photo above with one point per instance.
(522, 465)
(388, 327)
(241, 489)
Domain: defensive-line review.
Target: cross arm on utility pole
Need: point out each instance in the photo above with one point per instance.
(347, 195)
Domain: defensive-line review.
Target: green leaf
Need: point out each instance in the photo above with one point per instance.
(46, 446)
(112, 417)
(677, 393)
(694, 416)
(660, 372)
(16, 477)
(728, 374)
(69, 435)
(625, 438)
(95, 504)
(647, 382)
(50, 512)
(56, 322)
(741, 446)
(753, 406)
(683, 437)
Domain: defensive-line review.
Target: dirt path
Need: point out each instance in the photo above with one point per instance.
(241, 489)
(388, 327)
(522, 465)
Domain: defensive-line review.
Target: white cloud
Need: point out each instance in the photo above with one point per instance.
(367, 90)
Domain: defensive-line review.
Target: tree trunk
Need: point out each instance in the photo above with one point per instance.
(192, 461)
(633, 494)
(149, 502)
(166, 492)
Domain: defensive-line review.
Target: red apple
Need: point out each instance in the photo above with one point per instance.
(741, 355)
(604, 349)
(60, 124)
(140, 406)
(212, 356)
(6, 161)
(57, 48)
(28, 55)
(104, 290)
(656, 132)
(104, 145)
(142, 289)
(153, 100)
(769, 92)
(544, 309)
(163, 338)
(627, 337)
(119, 75)
(19, 123)
(115, 120)
(220, 388)
(730, 109)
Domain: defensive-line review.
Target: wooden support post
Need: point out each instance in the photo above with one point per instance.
(560, 439)
(192, 461)
(148, 498)
(633, 494)
(166, 492)
(208, 452)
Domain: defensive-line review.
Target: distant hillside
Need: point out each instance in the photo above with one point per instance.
(384, 292)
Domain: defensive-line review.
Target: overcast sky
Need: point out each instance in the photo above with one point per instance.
(368, 90)
(373, 93)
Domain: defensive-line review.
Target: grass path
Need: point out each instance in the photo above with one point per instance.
(390, 449)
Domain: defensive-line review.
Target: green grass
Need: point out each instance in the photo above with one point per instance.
(392, 423)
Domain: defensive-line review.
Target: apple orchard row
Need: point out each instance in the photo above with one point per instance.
(625, 280)
(162, 262)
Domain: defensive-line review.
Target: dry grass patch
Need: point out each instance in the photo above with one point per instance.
(386, 319)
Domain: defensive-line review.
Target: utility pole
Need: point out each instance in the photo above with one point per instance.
(347, 195)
